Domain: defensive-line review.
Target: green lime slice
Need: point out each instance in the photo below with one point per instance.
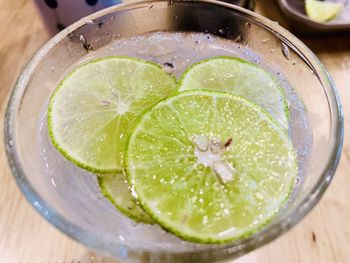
(239, 77)
(322, 11)
(93, 110)
(116, 189)
(210, 167)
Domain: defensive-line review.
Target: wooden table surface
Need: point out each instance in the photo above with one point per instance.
(323, 236)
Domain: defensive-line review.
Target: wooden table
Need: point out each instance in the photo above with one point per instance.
(323, 236)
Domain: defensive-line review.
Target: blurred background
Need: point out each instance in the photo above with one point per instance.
(323, 236)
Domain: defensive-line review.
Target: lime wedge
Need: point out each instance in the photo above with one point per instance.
(210, 167)
(322, 11)
(116, 189)
(239, 77)
(93, 109)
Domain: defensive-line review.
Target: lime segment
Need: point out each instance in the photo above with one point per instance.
(239, 77)
(94, 108)
(210, 167)
(322, 11)
(116, 189)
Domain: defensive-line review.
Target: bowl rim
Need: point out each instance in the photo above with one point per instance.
(218, 252)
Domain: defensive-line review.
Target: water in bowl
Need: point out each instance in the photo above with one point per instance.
(174, 52)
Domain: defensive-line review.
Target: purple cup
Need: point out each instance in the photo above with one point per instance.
(58, 14)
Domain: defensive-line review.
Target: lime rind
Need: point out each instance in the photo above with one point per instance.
(184, 233)
(126, 203)
(70, 154)
(282, 114)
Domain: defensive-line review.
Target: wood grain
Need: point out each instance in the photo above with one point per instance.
(323, 236)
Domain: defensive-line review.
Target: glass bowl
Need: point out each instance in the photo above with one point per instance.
(70, 199)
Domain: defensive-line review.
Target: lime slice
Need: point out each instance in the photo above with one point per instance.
(210, 167)
(116, 189)
(321, 11)
(94, 108)
(239, 77)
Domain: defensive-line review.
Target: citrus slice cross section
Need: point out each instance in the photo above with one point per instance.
(240, 77)
(116, 189)
(93, 110)
(322, 11)
(210, 167)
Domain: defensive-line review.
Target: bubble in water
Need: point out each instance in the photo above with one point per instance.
(168, 67)
(239, 39)
(105, 103)
(222, 32)
(53, 182)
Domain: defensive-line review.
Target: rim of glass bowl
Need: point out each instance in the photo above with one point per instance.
(218, 252)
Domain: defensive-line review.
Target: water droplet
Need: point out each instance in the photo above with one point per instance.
(53, 182)
(247, 25)
(239, 39)
(222, 31)
(176, 17)
(285, 51)
(265, 40)
(10, 143)
(133, 193)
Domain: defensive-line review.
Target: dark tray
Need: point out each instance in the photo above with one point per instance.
(298, 20)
